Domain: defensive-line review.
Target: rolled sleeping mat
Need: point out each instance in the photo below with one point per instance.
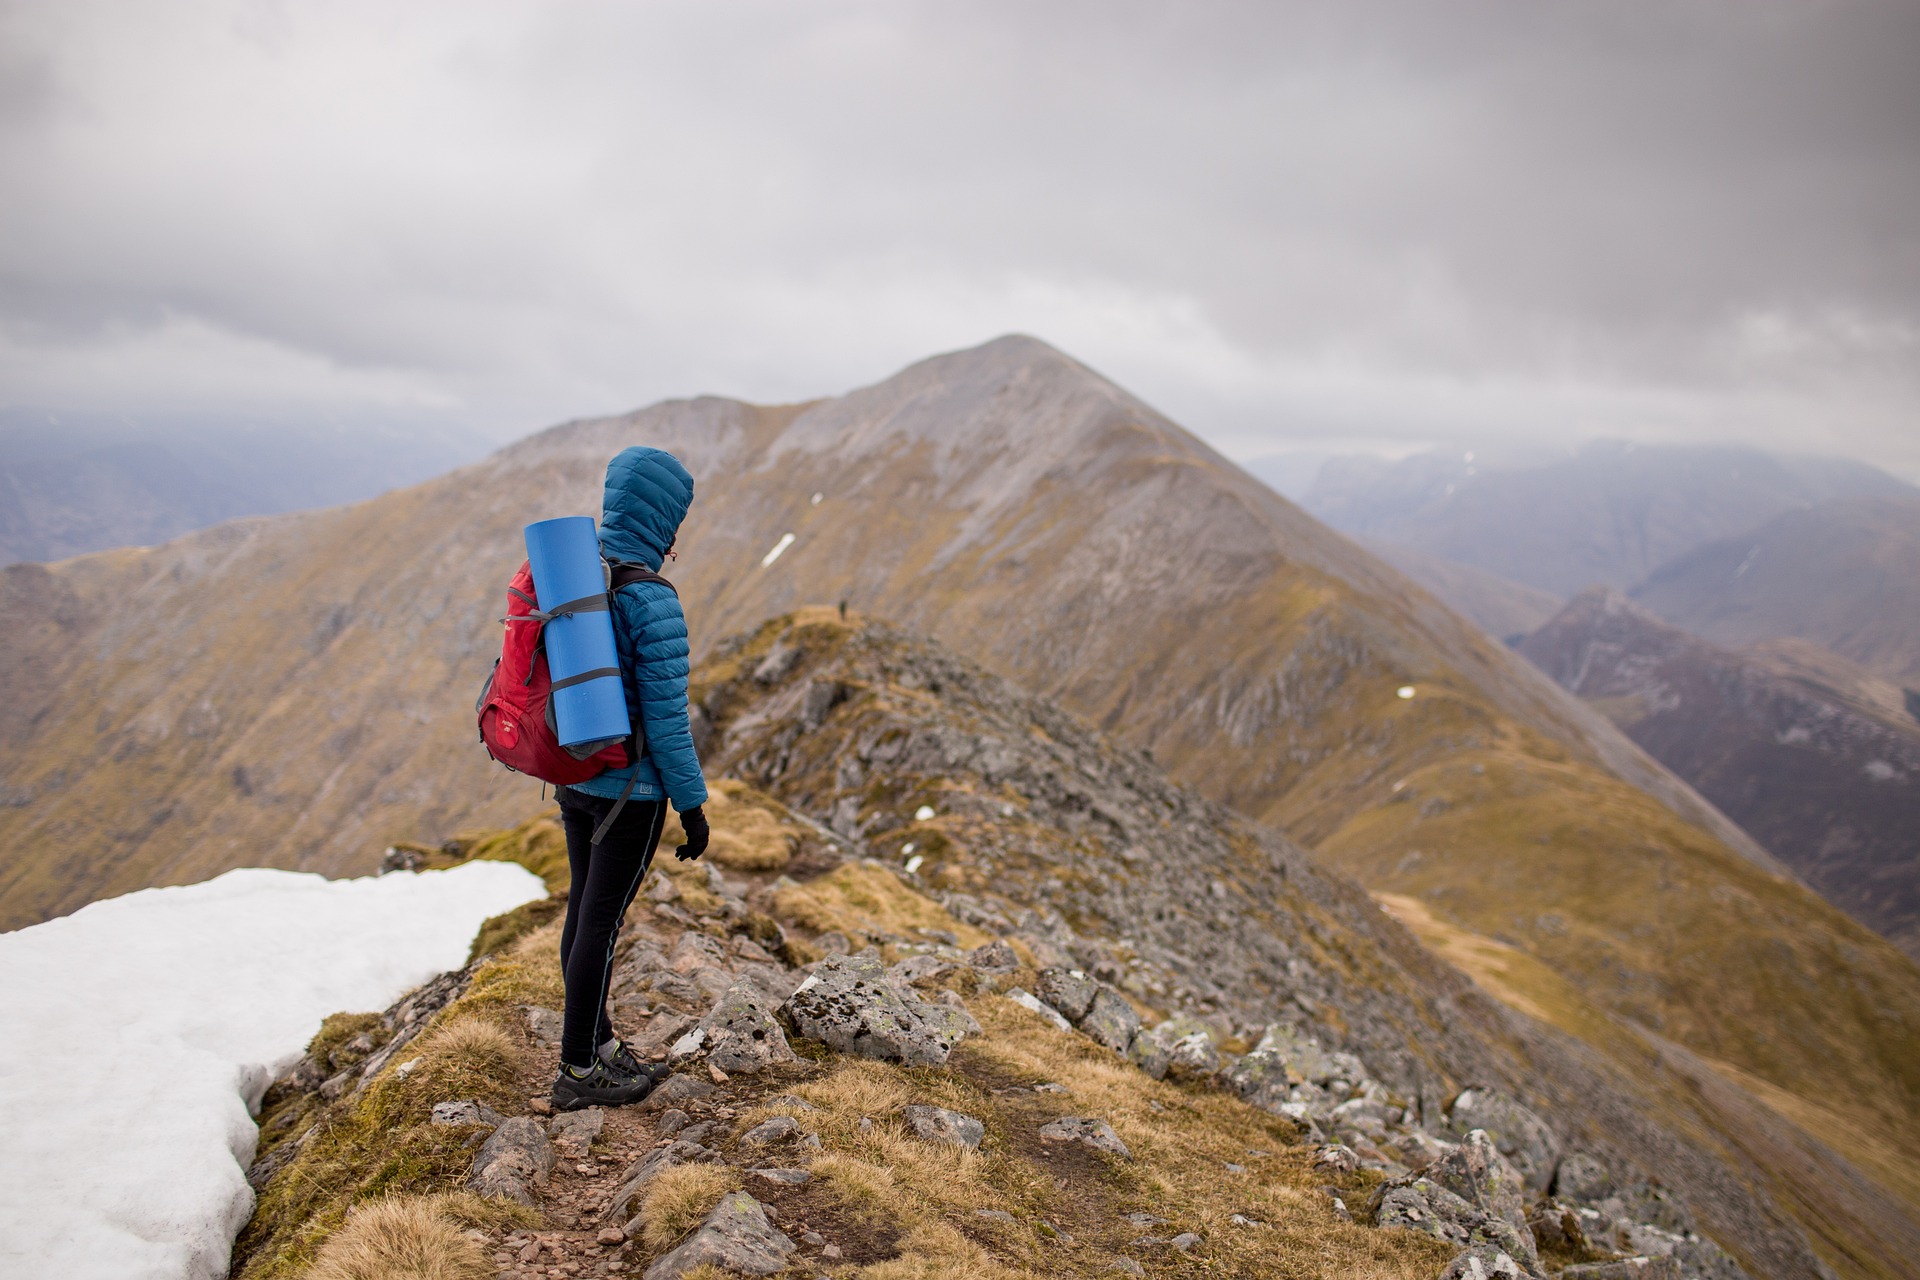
(589, 698)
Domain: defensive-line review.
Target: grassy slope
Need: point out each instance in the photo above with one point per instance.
(1849, 1219)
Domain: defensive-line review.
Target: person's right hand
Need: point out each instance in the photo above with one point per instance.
(694, 823)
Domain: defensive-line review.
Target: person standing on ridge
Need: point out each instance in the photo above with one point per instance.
(647, 496)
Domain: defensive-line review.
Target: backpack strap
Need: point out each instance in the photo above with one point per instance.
(606, 823)
(623, 572)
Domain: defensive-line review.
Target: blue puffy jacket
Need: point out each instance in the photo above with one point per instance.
(648, 493)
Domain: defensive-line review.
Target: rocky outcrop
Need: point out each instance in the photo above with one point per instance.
(514, 1162)
(740, 1033)
(848, 1004)
(1169, 961)
(735, 1237)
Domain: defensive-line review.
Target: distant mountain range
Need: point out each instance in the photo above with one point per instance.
(72, 483)
(1610, 515)
(1817, 762)
(1844, 574)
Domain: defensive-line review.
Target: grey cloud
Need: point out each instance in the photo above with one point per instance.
(1283, 222)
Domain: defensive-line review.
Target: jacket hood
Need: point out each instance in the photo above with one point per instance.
(648, 493)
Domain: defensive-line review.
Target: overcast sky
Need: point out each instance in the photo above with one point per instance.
(1289, 225)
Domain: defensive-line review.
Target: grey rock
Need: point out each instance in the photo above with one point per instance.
(1068, 990)
(924, 967)
(1654, 1205)
(951, 1000)
(783, 1177)
(741, 1034)
(1477, 1172)
(1110, 1020)
(676, 987)
(768, 1132)
(735, 1237)
(1556, 1225)
(791, 1100)
(1419, 1205)
(820, 698)
(666, 1029)
(671, 1121)
(1185, 1242)
(1702, 1258)
(1027, 1000)
(1483, 1262)
(1126, 1267)
(1667, 1268)
(465, 1112)
(574, 1131)
(1193, 1055)
(543, 1025)
(937, 1124)
(1522, 1137)
(1471, 1196)
(848, 1005)
(1284, 1063)
(997, 956)
(1582, 1176)
(513, 1161)
(1336, 1158)
(1151, 1053)
(1298, 1054)
(679, 1087)
(993, 1215)
(779, 662)
(642, 1171)
(1097, 1134)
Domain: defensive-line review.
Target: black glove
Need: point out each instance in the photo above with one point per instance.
(694, 823)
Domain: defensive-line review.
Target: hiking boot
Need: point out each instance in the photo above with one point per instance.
(598, 1086)
(622, 1060)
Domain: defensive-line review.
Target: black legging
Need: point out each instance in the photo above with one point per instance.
(604, 882)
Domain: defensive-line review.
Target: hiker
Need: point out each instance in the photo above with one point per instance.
(647, 496)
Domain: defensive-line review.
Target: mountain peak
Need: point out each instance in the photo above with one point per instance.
(1013, 392)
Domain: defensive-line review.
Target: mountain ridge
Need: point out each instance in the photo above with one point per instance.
(1830, 783)
(1840, 574)
(1611, 514)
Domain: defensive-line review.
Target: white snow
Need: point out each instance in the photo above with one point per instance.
(786, 540)
(137, 1033)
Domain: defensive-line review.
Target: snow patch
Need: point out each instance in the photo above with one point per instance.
(786, 540)
(138, 1034)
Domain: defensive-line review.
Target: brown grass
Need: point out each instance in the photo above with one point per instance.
(400, 1238)
(866, 900)
(679, 1199)
(748, 833)
(467, 1056)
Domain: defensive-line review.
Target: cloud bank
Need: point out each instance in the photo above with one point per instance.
(1288, 225)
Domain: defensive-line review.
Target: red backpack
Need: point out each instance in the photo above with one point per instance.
(515, 706)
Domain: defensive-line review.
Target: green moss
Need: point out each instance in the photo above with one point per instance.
(338, 1028)
(501, 931)
(381, 1141)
